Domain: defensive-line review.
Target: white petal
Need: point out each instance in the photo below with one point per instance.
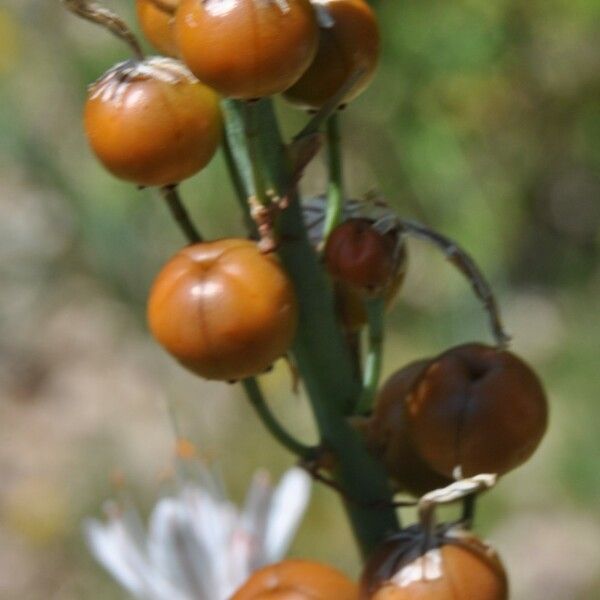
(242, 549)
(258, 496)
(253, 520)
(117, 554)
(211, 520)
(214, 523)
(176, 553)
(131, 521)
(121, 554)
(199, 546)
(288, 504)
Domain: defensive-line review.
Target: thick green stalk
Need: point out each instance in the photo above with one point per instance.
(321, 354)
(238, 186)
(236, 150)
(252, 134)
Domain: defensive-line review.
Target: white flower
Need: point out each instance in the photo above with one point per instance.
(199, 546)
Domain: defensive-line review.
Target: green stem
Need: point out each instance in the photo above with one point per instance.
(180, 214)
(460, 259)
(237, 148)
(468, 511)
(256, 398)
(335, 189)
(321, 354)
(373, 362)
(330, 107)
(238, 186)
(245, 157)
(251, 130)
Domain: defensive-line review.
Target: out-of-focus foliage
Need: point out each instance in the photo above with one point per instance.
(484, 121)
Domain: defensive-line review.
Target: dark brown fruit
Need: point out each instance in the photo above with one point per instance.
(475, 407)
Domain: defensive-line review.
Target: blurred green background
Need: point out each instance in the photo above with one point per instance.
(483, 121)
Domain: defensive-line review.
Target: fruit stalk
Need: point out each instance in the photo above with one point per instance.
(335, 189)
(180, 213)
(375, 312)
(256, 398)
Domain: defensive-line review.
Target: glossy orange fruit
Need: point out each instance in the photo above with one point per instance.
(463, 568)
(223, 309)
(152, 122)
(156, 19)
(297, 580)
(348, 40)
(474, 406)
(247, 48)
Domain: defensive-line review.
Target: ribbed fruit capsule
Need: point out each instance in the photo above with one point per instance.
(152, 122)
(472, 409)
(348, 42)
(297, 580)
(223, 309)
(247, 49)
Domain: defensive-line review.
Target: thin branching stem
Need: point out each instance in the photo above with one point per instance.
(335, 187)
(457, 491)
(374, 357)
(468, 511)
(258, 402)
(316, 473)
(329, 108)
(467, 266)
(94, 12)
(180, 214)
